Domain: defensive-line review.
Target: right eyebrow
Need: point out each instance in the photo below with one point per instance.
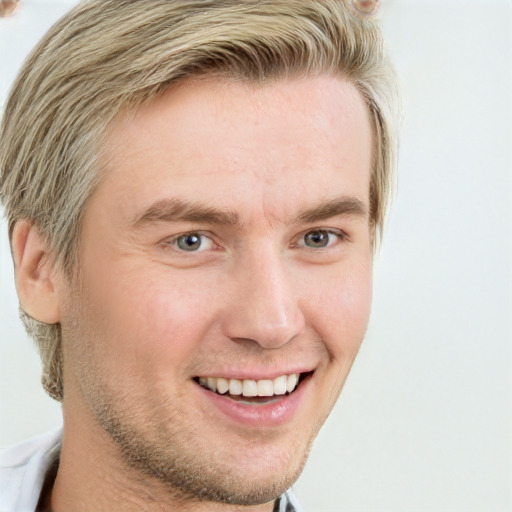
(175, 210)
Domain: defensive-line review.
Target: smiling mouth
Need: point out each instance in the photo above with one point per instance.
(253, 390)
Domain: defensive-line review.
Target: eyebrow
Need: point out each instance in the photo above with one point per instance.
(342, 206)
(175, 210)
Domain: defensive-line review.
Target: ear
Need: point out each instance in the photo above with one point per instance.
(35, 274)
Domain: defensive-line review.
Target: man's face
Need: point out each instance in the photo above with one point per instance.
(228, 245)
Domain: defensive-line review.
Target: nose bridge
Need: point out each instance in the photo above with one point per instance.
(265, 307)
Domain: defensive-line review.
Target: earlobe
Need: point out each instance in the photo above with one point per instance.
(35, 273)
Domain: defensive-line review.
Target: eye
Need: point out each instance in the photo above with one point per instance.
(192, 242)
(320, 238)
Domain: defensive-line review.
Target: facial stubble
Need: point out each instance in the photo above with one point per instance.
(154, 445)
(177, 461)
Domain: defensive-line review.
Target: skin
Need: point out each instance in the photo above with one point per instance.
(147, 317)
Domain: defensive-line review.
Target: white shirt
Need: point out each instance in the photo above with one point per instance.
(23, 469)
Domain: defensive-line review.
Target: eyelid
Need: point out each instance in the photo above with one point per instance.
(339, 233)
(172, 240)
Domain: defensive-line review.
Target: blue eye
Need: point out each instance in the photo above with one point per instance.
(319, 238)
(192, 242)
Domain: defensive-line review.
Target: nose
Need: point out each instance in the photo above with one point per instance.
(264, 306)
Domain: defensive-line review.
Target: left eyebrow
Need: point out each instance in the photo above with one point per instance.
(342, 206)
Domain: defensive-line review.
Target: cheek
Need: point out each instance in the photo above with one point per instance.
(343, 309)
(145, 323)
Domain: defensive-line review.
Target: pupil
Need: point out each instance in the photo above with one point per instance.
(317, 239)
(189, 242)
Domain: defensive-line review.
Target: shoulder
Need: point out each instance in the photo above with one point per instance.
(22, 471)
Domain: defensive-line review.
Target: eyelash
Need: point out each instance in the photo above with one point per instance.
(339, 235)
(174, 241)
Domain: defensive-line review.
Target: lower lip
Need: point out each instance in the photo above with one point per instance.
(272, 414)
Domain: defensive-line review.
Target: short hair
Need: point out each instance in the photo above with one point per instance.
(109, 56)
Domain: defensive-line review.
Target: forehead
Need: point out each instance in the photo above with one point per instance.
(222, 140)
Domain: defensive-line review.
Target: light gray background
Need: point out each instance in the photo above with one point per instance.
(424, 421)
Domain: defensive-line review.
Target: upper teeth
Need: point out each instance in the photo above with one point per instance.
(248, 387)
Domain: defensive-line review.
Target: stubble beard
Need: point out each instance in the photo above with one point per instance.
(177, 464)
(172, 457)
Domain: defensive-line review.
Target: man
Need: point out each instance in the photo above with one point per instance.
(193, 192)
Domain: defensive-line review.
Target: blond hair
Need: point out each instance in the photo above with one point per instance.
(106, 56)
